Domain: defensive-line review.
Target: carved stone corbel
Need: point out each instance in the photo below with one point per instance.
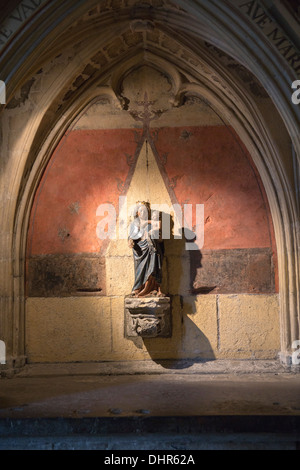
(147, 317)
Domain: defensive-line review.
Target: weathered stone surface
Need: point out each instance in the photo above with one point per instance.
(240, 326)
(178, 271)
(123, 348)
(248, 270)
(215, 271)
(200, 326)
(65, 275)
(147, 317)
(68, 329)
(138, 348)
(119, 275)
(248, 326)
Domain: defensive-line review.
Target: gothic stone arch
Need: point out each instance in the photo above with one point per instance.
(28, 148)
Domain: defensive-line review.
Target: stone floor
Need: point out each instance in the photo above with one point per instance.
(227, 397)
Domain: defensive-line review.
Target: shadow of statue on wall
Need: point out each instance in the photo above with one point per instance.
(195, 262)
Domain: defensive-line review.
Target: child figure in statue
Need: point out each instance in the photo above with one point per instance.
(146, 244)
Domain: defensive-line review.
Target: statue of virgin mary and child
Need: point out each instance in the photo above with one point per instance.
(148, 250)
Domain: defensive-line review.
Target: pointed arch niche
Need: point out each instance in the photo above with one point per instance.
(72, 137)
(156, 135)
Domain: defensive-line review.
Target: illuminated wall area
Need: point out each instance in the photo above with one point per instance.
(224, 293)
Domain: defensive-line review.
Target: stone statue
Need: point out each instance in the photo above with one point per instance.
(147, 245)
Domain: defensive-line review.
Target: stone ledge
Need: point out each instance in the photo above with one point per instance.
(148, 367)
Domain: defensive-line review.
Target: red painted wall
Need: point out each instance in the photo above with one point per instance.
(211, 167)
(203, 165)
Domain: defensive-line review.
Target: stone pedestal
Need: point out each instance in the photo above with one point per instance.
(147, 317)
